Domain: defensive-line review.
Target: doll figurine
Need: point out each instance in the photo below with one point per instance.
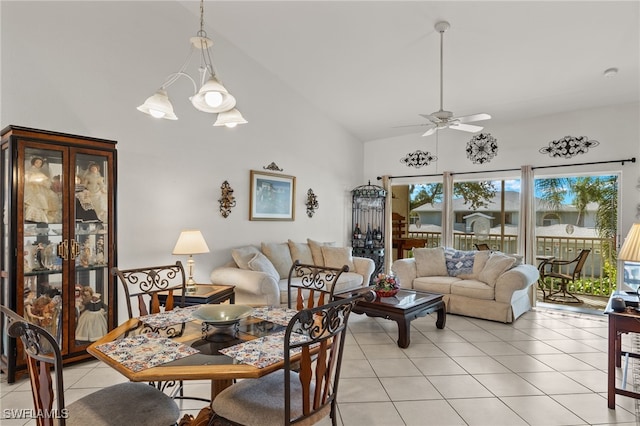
(94, 183)
(37, 192)
(92, 323)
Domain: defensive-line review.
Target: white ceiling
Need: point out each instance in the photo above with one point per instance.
(373, 65)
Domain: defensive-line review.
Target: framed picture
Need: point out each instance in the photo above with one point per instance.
(272, 196)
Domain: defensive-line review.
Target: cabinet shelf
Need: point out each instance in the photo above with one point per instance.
(58, 193)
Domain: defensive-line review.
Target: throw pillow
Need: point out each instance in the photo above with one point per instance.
(496, 265)
(430, 262)
(337, 257)
(301, 252)
(243, 255)
(280, 256)
(316, 251)
(458, 261)
(260, 263)
(518, 258)
(480, 260)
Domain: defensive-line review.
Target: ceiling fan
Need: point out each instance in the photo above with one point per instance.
(442, 119)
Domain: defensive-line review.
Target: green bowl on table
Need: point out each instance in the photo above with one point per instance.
(225, 314)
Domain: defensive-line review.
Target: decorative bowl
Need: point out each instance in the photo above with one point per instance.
(225, 314)
(386, 293)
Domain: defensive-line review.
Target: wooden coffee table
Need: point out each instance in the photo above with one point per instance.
(403, 308)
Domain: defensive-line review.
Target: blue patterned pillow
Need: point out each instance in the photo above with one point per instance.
(458, 261)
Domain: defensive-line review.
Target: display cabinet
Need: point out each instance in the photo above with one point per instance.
(369, 224)
(58, 238)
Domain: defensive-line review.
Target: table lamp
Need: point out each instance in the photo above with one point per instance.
(191, 242)
(630, 250)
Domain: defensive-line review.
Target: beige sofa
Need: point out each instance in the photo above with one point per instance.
(260, 274)
(481, 284)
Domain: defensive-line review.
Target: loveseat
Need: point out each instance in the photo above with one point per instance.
(481, 284)
(260, 274)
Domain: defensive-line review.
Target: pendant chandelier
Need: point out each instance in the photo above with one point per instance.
(212, 97)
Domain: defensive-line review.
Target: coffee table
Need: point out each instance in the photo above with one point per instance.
(402, 308)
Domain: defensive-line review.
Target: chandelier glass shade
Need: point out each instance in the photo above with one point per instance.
(212, 97)
(230, 118)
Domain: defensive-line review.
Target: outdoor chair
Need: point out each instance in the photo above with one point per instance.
(124, 403)
(567, 272)
(305, 391)
(143, 288)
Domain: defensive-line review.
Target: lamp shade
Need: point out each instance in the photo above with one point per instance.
(630, 250)
(213, 89)
(158, 106)
(230, 118)
(191, 242)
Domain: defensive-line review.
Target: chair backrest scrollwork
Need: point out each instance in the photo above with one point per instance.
(311, 284)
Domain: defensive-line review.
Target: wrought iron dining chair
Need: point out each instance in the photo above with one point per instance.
(124, 403)
(313, 344)
(311, 285)
(143, 288)
(567, 272)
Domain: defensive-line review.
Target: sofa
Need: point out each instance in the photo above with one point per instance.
(260, 274)
(482, 284)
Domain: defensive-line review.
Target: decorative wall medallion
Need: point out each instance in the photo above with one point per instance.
(569, 146)
(312, 203)
(227, 200)
(418, 159)
(273, 166)
(482, 148)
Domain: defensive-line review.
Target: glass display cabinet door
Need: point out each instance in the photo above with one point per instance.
(89, 248)
(43, 290)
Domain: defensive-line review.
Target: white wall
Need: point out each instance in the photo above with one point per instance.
(83, 67)
(615, 127)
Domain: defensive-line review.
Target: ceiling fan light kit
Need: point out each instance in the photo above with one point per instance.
(443, 119)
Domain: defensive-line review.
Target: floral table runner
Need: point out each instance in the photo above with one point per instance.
(138, 353)
(263, 351)
(168, 318)
(276, 315)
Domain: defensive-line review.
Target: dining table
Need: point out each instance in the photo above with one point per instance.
(177, 345)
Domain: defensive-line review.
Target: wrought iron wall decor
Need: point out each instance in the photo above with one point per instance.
(569, 146)
(227, 200)
(312, 203)
(482, 148)
(273, 166)
(418, 159)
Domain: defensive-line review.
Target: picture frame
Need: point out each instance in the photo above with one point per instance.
(272, 196)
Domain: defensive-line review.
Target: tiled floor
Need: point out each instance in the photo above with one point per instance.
(548, 368)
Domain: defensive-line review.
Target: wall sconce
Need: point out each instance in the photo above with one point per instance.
(212, 97)
(227, 201)
(312, 203)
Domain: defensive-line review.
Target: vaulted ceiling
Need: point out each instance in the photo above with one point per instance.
(374, 65)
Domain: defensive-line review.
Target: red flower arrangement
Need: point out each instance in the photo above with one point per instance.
(386, 285)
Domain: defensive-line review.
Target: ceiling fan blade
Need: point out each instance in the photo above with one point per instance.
(430, 131)
(465, 127)
(474, 117)
(413, 125)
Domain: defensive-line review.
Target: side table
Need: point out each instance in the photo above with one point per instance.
(204, 294)
(619, 324)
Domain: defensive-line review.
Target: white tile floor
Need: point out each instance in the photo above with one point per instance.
(548, 368)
